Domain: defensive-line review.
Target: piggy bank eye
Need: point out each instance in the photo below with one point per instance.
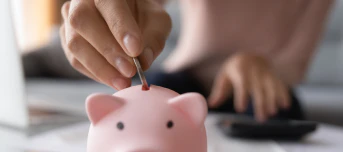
(120, 125)
(170, 124)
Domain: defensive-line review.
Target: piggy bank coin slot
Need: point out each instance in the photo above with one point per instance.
(145, 87)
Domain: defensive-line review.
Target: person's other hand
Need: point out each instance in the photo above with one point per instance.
(100, 37)
(247, 74)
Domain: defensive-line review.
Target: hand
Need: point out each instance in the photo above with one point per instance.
(100, 37)
(247, 74)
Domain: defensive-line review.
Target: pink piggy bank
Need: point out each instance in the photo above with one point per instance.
(156, 120)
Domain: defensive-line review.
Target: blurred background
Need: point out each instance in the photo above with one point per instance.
(51, 81)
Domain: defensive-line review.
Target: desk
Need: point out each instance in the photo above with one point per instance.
(73, 139)
(327, 138)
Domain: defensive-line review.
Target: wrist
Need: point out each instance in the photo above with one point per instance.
(250, 57)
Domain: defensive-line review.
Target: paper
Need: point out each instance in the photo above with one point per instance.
(11, 139)
(69, 139)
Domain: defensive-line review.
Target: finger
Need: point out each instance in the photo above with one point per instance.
(283, 95)
(154, 46)
(96, 64)
(240, 85)
(93, 61)
(221, 89)
(156, 30)
(65, 13)
(72, 60)
(122, 24)
(89, 24)
(62, 36)
(270, 89)
(259, 98)
(79, 67)
(65, 10)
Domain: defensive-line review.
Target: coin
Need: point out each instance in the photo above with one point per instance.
(145, 85)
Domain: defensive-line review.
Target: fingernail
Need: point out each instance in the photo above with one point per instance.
(285, 105)
(272, 111)
(261, 118)
(132, 45)
(211, 102)
(124, 67)
(240, 109)
(148, 55)
(120, 83)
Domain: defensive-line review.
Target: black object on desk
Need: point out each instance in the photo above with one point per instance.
(246, 127)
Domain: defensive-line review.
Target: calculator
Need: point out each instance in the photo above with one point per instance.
(247, 127)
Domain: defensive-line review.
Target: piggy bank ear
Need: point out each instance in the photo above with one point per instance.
(192, 105)
(100, 105)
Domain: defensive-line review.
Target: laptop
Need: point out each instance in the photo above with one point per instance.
(20, 101)
(13, 107)
(18, 97)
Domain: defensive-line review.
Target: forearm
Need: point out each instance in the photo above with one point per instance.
(293, 61)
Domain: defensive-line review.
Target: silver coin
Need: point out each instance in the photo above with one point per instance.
(140, 72)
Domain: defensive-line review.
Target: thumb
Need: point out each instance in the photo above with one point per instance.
(221, 89)
(154, 44)
(155, 34)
